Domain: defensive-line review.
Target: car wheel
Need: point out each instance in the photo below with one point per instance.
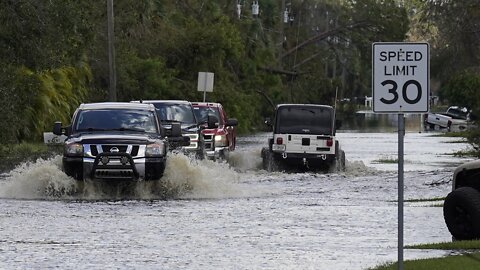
(268, 161)
(342, 161)
(461, 211)
(339, 162)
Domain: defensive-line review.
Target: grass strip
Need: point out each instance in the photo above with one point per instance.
(455, 245)
(386, 160)
(426, 200)
(468, 261)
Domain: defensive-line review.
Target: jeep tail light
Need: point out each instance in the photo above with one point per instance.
(329, 142)
(279, 140)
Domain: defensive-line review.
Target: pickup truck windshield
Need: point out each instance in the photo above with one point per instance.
(203, 112)
(304, 120)
(116, 120)
(181, 113)
(458, 113)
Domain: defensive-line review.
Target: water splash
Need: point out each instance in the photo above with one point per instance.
(246, 160)
(184, 177)
(202, 178)
(358, 168)
(38, 180)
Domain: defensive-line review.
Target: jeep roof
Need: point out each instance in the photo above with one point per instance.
(300, 105)
(290, 122)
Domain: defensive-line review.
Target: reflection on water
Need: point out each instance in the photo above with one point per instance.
(235, 215)
(367, 121)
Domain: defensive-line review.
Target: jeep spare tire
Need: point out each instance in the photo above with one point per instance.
(461, 211)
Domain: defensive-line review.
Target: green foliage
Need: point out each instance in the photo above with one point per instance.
(160, 46)
(145, 79)
(455, 46)
(44, 34)
(462, 90)
(51, 95)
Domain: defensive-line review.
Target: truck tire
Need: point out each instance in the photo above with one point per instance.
(461, 211)
(341, 161)
(268, 161)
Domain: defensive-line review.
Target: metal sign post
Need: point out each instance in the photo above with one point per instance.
(400, 84)
(401, 135)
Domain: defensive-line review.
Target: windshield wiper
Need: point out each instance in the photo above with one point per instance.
(127, 129)
(171, 121)
(91, 129)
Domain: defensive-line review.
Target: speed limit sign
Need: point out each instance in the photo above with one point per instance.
(400, 77)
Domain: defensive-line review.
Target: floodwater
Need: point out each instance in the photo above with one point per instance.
(208, 215)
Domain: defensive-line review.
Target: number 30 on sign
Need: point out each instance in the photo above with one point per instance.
(400, 77)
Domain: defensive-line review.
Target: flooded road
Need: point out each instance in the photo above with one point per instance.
(237, 216)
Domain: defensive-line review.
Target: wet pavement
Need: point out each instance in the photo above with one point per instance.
(232, 216)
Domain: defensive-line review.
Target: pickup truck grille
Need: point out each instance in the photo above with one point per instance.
(209, 141)
(98, 148)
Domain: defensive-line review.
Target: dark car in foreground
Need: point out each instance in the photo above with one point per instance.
(114, 141)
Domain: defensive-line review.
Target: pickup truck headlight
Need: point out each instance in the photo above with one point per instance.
(154, 150)
(73, 149)
(221, 140)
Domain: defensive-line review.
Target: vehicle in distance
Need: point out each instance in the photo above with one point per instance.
(454, 119)
(219, 138)
(461, 208)
(181, 112)
(114, 141)
(303, 138)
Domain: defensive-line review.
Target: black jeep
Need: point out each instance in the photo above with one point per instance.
(114, 141)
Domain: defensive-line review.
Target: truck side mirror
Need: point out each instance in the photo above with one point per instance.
(212, 121)
(176, 130)
(231, 122)
(57, 128)
(338, 124)
(268, 121)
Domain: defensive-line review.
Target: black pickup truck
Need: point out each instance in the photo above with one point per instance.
(180, 112)
(114, 141)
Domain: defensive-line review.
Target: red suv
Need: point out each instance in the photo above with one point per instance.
(218, 141)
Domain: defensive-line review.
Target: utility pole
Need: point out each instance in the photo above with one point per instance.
(281, 33)
(112, 89)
